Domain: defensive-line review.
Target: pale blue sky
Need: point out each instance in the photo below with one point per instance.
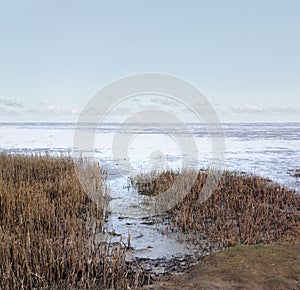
(243, 55)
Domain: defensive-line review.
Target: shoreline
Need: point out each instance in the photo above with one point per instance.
(56, 174)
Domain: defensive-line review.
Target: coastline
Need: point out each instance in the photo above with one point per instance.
(142, 271)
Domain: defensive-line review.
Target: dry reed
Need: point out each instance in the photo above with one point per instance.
(49, 228)
(242, 210)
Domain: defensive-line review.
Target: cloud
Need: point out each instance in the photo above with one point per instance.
(164, 101)
(13, 110)
(7, 103)
(284, 110)
(10, 108)
(247, 108)
(46, 109)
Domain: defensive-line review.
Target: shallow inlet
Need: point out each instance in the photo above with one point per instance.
(150, 238)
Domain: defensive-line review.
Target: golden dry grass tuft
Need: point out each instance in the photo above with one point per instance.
(242, 210)
(49, 227)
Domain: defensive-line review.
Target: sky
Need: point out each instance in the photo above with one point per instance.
(244, 56)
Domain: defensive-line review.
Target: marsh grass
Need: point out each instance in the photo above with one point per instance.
(242, 210)
(49, 229)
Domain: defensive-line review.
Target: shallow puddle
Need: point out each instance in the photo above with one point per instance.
(149, 238)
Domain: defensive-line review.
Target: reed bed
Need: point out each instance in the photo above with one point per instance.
(244, 209)
(49, 229)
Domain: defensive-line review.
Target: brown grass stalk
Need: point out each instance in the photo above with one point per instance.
(242, 210)
(49, 227)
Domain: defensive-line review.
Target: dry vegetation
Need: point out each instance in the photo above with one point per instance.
(242, 210)
(49, 228)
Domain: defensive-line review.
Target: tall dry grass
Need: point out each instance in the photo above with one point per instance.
(49, 228)
(242, 210)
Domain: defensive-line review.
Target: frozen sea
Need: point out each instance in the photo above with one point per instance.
(266, 149)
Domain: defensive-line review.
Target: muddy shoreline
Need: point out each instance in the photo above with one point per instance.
(155, 244)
